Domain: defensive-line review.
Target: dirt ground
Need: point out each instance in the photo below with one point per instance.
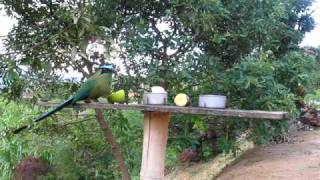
(297, 160)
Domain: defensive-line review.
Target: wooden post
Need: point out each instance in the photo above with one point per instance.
(155, 135)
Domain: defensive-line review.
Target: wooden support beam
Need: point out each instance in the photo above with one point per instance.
(272, 115)
(155, 135)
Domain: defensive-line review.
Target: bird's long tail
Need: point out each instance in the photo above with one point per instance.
(59, 107)
(47, 114)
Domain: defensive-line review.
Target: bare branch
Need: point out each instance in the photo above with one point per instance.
(115, 146)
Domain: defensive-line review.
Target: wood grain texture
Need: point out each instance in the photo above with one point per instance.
(155, 135)
(256, 114)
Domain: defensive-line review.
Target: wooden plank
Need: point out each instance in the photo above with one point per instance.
(272, 115)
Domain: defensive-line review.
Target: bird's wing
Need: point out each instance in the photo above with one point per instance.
(85, 90)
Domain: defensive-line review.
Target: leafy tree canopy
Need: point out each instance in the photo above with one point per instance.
(154, 38)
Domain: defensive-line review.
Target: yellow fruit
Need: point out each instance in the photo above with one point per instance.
(181, 99)
(117, 97)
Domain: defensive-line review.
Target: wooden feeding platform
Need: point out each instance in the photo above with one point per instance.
(155, 130)
(271, 115)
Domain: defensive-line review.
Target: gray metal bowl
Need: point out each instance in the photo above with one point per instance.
(212, 101)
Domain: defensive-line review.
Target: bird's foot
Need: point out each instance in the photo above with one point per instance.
(88, 100)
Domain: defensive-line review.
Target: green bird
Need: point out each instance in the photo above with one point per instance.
(96, 86)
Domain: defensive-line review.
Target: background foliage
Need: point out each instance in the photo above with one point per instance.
(247, 50)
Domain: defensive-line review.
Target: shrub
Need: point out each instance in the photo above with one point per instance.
(31, 168)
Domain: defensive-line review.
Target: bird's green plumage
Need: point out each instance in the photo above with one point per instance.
(96, 86)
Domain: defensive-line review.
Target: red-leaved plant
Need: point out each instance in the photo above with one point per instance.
(30, 168)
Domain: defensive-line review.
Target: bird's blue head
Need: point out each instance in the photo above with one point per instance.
(107, 68)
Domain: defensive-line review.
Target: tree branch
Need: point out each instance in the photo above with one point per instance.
(181, 50)
(115, 146)
(38, 44)
(162, 54)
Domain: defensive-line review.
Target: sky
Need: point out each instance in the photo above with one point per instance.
(313, 38)
(6, 24)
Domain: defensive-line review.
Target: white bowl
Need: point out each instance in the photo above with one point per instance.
(155, 98)
(212, 101)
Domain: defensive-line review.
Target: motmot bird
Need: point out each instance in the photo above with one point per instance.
(96, 86)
